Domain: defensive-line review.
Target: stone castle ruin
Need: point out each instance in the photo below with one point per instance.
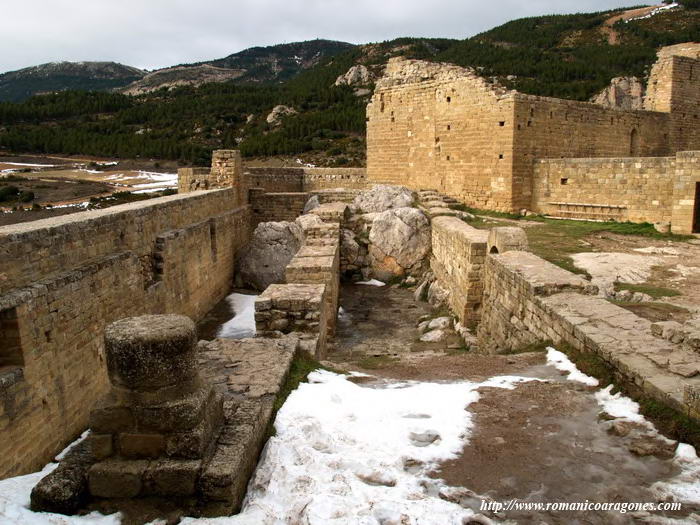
(97, 309)
(444, 127)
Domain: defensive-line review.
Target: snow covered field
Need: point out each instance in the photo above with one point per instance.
(351, 453)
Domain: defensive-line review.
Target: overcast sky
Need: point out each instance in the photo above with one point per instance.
(157, 33)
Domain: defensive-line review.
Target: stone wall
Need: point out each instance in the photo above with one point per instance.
(686, 195)
(528, 300)
(305, 179)
(458, 256)
(63, 279)
(438, 126)
(276, 207)
(622, 189)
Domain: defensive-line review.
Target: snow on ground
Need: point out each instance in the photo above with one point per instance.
(25, 165)
(242, 324)
(656, 11)
(561, 362)
(683, 488)
(14, 501)
(343, 453)
(371, 282)
(341, 450)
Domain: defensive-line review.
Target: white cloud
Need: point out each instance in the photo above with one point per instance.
(158, 33)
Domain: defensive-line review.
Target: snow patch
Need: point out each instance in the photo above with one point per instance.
(619, 406)
(371, 282)
(242, 324)
(561, 362)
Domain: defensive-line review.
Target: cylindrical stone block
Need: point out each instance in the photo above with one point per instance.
(152, 352)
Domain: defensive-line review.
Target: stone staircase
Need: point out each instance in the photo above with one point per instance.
(435, 204)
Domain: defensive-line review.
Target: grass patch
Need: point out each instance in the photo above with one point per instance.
(491, 213)
(669, 421)
(556, 240)
(654, 291)
(532, 347)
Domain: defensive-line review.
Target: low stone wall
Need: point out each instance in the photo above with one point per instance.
(275, 207)
(305, 179)
(625, 189)
(527, 300)
(458, 256)
(63, 279)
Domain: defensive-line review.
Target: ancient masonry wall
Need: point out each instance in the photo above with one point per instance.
(437, 126)
(458, 256)
(308, 302)
(685, 214)
(305, 179)
(527, 299)
(268, 207)
(443, 133)
(622, 189)
(642, 189)
(63, 279)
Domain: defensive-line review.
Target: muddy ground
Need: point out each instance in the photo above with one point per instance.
(544, 441)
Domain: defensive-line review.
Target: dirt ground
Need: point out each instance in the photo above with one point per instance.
(544, 441)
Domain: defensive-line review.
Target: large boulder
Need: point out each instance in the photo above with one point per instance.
(356, 76)
(382, 197)
(271, 248)
(399, 242)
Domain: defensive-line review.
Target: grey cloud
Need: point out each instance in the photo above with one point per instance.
(159, 33)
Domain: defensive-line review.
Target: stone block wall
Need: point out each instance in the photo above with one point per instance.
(458, 256)
(192, 179)
(63, 279)
(305, 179)
(268, 207)
(529, 300)
(291, 308)
(685, 213)
(436, 126)
(623, 189)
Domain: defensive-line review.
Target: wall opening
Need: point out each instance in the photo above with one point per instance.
(696, 211)
(564, 181)
(502, 123)
(634, 143)
(493, 250)
(11, 349)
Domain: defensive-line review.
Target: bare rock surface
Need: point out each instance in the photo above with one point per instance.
(382, 198)
(623, 93)
(278, 112)
(399, 241)
(608, 268)
(272, 247)
(357, 75)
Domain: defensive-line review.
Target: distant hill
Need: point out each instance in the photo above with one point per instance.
(63, 76)
(328, 85)
(255, 65)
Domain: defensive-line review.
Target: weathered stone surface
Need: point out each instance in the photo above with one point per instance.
(271, 248)
(151, 352)
(383, 197)
(117, 479)
(506, 238)
(399, 242)
(65, 490)
(435, 336)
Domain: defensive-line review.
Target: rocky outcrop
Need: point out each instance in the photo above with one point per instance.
(270, 250)
(356, 76)
(623, 93)
(398, 242)
(278, 112)
(382, 198)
